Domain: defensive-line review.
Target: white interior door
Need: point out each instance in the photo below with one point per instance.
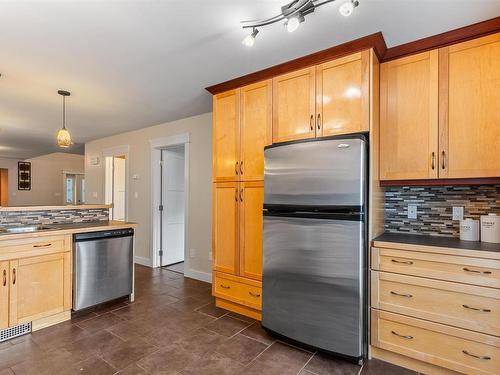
(173, 205)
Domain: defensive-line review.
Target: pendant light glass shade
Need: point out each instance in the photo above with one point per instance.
(63, 136)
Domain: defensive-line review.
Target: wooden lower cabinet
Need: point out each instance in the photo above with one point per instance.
(35, 287)
(237, 246)
(456, 349)
(435, 310)
(4, 294)
(39, 287)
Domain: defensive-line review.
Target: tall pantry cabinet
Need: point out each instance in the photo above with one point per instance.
(241, 129)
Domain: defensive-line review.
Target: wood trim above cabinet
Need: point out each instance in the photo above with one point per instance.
(375, 41)
(443, 182)
(444, 39)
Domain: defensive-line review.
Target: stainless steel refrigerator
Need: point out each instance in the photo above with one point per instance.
(315, 253)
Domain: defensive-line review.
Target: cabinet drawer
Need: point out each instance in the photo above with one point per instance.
(468, 270)
(239, 290)
(453, 348)
(33, 246)
(465, 306)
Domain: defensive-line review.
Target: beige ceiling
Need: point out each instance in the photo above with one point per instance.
(135, 63)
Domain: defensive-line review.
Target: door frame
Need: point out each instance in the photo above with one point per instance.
(112, 152)
(64, 175)
(156, 146)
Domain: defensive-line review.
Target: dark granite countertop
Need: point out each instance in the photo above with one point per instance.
(450, 242)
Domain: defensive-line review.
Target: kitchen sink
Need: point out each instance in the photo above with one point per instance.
(26, 229)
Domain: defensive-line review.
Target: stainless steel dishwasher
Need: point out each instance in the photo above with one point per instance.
(102, 267)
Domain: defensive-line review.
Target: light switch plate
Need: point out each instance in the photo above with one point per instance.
(412, 211)
(458, 213)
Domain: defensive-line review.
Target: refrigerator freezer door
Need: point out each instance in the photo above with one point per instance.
(328, 172)
(313, 283)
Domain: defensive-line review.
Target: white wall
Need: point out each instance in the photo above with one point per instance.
(139, 190)
(46, 178)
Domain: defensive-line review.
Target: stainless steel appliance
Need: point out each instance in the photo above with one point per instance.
(315, 253)
(102, 267)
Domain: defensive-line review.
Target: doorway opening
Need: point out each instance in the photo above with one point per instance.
(172, 207)
(74, 188)
(170, 192)
(116, 186)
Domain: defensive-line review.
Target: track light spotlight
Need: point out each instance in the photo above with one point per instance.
(249, 40)
(347, 8)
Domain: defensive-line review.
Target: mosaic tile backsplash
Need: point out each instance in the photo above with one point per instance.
(14, 218)
(434, 207)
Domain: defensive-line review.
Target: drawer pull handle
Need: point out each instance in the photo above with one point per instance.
(407, 337)
(13, 276)
(225, 286)
(4, 277)
(475, 271)
(44, 245)
(486, 358)
(401, 295)
(476, 309)
(408, 262)
(256, 295)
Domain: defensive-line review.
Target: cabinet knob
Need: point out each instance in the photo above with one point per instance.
(13, 276)
(311, 122)
(319, 121)
(433, 163)
(241, 167)
(236, 168)
(4, 277)
(443, 162)
(241, 195)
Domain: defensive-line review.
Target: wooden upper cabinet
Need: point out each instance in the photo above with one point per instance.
(4, 294)
(469, 79)
(38, 287)
(255, 129)
(409, 117)
(251, 226)
(226, 119)
(294, 106)
(343, 95)
(225, 227)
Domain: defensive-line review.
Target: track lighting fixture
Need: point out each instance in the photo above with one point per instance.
(294, 14)
(293, 23)
(347, 8)
(249, 40)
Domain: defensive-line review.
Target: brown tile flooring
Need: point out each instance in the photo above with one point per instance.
(173, 327)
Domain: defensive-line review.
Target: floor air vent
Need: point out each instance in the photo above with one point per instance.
(10, 333)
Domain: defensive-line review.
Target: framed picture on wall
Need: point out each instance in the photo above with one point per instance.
(23, 175)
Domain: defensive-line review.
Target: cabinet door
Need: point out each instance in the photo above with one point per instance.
(226, 136)
(409, 117)
(343, 95)
(225, 227)
(294, 106)
(4, 294)
(251, 226)
(255, 129)
(38, 287)
(469, 109)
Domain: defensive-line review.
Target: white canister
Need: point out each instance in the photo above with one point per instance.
(469, 230)
(490, 228)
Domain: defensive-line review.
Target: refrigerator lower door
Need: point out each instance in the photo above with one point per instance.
(313, 282)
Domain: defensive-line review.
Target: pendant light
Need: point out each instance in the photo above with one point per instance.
(63, 136)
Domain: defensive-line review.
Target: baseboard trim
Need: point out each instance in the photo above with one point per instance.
(143, 261)
(198, 275)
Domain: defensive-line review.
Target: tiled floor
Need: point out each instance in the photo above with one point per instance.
(172, 328)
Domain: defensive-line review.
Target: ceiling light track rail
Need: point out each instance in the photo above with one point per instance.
(294, 13)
